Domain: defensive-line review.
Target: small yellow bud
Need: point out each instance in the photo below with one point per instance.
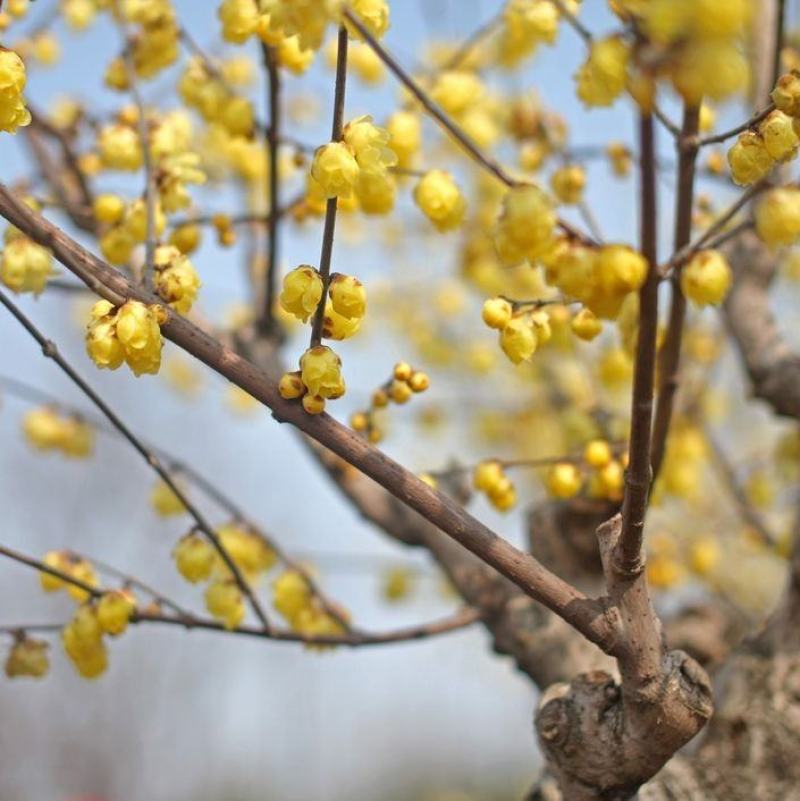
(291, 386)
(585, 325)
(564, 480)
(496, 313)
(194, 558)
(705, 280)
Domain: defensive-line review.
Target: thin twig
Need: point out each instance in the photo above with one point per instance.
(272, 139)
(461, 619)
(715, 139)
(332, 205)
(685, 253)
(50, 350)
(639, 473)
(476, 38)
(37, 564)
(669, 355)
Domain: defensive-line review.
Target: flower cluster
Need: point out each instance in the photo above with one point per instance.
(755, 152)
(359, 165)
(13, 112)
(27, 657)
(440, 200)
(294, 600)
(521, 327)
(403, 384)
(72, 565)
(83, 636)
(130, 333)
(47, 430)
(24, 265)
(697, 46)
(197, 560)
(526, 25)
(319, 379)
(490, 478)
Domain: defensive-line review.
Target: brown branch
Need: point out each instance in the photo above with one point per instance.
(50, 351)
(539, 583)
(37, 564)
(460, 620)
(692, 140)
(669, 356)
(273, 185)
(332, 204)
(639, 473)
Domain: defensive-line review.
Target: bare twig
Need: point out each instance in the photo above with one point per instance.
(639, 473)
(273, 185)
(669, 356)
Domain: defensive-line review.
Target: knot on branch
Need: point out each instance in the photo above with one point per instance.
(604, 741)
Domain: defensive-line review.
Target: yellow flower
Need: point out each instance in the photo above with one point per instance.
(335, 326)
(601, 79)
(114, 611)
(369, 144)
(335, 169)
(704, 555)
(518, 339)
(25, 266)
(119, 147)
(777, 217)
(526, 224)
(376, 191)
(13, 113)
(585, 325)
(749, 159)
(291, 386)
(374, 14)
(620, 269)
(291, 595)
(456, 90)
(302, 292)
(175, 278)
(165, 501)
(597, 453)
(705, 280)
(321, 371)
(405, 130)
(440, 199)
(780, 140)
(496, 313)
(786, 94)
(27, 657)
(348, 297)
(109, 208)
(224, 601)
(397, 584)
(239, 19)
(58, 560)
(568, 183)
(194, 557)
(564, 480)
(137, 328)
(293, 56)
(46, 430)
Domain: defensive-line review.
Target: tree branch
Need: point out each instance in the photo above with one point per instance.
(584, 614)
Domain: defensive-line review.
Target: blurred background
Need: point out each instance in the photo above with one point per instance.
(193, 715)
